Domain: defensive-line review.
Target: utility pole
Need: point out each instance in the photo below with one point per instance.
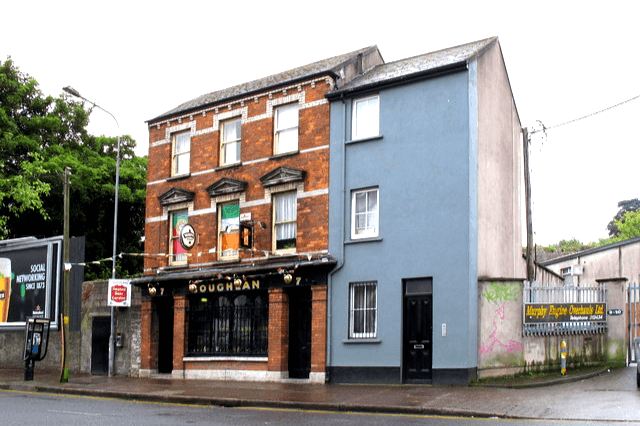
(64, 316)
(531, 274)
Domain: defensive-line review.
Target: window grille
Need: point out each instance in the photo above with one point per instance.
(229, 325)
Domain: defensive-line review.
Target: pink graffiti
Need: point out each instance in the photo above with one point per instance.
(512, 346)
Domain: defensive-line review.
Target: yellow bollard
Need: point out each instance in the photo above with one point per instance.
(563, 354)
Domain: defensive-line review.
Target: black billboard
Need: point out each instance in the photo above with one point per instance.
(30, 280)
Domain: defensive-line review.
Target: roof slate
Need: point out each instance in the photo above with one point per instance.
(330, 65)
(405, 68)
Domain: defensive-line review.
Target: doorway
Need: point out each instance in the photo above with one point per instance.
(299, 332)
(100, 331)
(164, 307)
(417, 330)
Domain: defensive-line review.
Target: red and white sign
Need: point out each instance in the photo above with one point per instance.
(119, 293)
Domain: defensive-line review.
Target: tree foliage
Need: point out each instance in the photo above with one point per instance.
(41, 136)
(625, 207)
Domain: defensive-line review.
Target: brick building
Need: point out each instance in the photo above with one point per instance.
(235, 278)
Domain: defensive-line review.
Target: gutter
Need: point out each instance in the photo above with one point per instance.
(190, 274)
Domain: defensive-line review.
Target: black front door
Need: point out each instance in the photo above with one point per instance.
(299, 332)
(165, 334)
(100, 331)
(417, 348)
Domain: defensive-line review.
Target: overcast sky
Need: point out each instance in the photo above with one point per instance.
(565, 60)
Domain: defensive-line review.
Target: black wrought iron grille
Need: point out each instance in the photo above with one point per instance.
(229, 324)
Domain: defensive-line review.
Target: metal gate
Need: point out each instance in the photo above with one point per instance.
(633, 318)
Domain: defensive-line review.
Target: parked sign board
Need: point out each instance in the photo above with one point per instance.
(564, 312)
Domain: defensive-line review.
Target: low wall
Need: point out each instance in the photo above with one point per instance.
(504, 351)
(94, 304)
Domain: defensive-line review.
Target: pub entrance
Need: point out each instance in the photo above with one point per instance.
(164, 308)
(299, 332)
(418, 330)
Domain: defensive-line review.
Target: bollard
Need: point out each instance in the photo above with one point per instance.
(563, 354)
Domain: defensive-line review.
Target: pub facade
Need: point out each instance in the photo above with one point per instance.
(236, 234)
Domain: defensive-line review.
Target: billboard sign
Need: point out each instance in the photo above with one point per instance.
(30, 280)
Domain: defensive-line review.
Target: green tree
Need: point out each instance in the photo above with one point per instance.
(41, 136)
(628, 226)
(625, 206)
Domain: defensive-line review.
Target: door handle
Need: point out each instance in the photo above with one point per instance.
(418, 346)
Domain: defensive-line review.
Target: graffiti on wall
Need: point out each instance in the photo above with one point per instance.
(499, 295)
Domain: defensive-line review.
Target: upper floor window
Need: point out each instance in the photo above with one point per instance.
(231, 136)
(284, 221)
(364, 213)
(366, 117)
(229, 229)
(286, 129)
(177, 253)
(181, 146)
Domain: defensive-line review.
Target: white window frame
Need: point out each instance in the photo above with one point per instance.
(280, 129)
(180, 157)
(181, 258)
(364, 315)
(372, 217)
(366, 122)
(221, 254)
(277, 223)
(225, 144)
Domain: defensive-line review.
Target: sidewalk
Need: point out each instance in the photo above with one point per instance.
(478, 401)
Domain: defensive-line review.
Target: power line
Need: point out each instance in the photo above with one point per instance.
(545, 128)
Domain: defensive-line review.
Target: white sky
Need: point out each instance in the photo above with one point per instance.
(565, 59)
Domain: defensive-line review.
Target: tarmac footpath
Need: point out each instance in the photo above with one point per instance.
(519, 400)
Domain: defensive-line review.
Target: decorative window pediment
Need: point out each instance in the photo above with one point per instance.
(226, 186)
(282, 175)
(176, 195)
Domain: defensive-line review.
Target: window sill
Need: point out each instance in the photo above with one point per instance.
(179, 177)
(360, 341)
(228, 166)
(364, 240)
(284, 154)
(173, 267)
(226, 358)
(367, 139)
(285, 253)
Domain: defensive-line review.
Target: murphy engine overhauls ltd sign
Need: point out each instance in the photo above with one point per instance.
(564, 312)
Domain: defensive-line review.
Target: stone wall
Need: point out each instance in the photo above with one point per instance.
(94, 304)
(503, 350)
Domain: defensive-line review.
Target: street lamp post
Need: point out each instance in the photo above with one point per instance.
(75, 93)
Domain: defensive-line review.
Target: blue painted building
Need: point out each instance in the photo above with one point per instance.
(425, 201)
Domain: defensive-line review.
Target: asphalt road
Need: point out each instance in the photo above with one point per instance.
(23, 408)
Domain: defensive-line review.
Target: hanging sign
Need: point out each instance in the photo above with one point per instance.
(119, 293)
(187, 236)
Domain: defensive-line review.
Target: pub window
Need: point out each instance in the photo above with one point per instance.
(229, 325)
(285, 212)
(229, 230)
(178, 254)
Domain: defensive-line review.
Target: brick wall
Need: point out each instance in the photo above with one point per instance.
(278, 330)
(257, 160)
